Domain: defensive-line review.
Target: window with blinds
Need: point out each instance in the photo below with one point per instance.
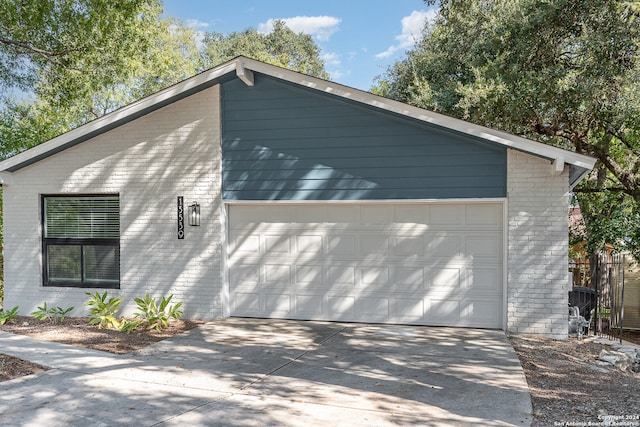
(81, 241)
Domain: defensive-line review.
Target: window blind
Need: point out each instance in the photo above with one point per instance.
(95, 217)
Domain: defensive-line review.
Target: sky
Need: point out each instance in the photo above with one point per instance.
(358, 39)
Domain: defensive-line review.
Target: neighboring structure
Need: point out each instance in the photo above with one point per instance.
(619, 272)
(632, 296)
(316, 201)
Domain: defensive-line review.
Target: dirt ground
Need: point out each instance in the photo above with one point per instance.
(567, 385)
(570, 388)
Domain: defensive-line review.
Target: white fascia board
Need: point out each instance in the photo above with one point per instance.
(243, 66)
(244, 74)
(367, 201)
(53, 145)
(503, 138)
(6, 178)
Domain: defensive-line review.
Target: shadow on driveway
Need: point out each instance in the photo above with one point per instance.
(245, 372)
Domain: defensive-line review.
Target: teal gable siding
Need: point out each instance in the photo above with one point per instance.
(285, 142)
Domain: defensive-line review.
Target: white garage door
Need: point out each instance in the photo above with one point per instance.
(425, 264)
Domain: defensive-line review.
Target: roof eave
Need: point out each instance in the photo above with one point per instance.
(502, 138)
(244, 68)
(116, 118)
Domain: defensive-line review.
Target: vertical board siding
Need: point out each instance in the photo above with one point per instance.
(282, 142)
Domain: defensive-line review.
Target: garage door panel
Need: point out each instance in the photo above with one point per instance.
(408, 246)
(243, 215)
(445, 279)
(483, 246)
(443, 245)
(244, 274)
(375, 215)
(309, 276)
(484, 216)
(309, 244)
(344, 276)
(484, 279)
(246, 304)
(448, 216)
(373, 245)
(408, 310)
(246, 243)
(341, 214)
(341, 307)
(277, 274)
(373, 263)
(277, 305)
(410, 214)
(309, 306)
(277, 244)
(374, 277)
(443, 311)
(307, 215)
(341, 245)
(276, 214)
(372, 309)
(481, 313)
(408, 279)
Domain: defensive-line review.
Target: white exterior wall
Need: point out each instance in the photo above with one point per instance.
(174, 151)
(537, 273)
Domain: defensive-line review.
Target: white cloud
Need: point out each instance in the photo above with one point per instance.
(412, 27)
(320, 27)
(195, 24)
(333, 65)
(198, 27)
(330, 58)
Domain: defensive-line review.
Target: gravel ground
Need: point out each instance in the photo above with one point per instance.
(568, 386)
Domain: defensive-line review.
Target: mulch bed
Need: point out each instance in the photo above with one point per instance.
(77, 331)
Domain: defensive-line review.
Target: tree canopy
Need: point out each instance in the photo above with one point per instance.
(282, 47)
(563, 72)
(80, 59)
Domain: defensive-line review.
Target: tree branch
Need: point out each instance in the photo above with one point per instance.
(624, 140)
(41, 52)
(601, 190)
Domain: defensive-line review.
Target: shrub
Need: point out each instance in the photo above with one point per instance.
(129, 326)
(103, 311)
(6, 316)
(53, 314)
(155, 316)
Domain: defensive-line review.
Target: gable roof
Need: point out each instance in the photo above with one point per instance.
(243, 68)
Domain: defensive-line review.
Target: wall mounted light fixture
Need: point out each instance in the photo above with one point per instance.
(194, 214)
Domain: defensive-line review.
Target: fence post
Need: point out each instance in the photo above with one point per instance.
(596, 281)
(622, 298)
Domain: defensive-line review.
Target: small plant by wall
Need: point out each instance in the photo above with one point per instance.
(153, 315)
(103, 310)
(6, 316)
(53, 314)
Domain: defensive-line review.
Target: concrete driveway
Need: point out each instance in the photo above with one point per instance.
(254, 372)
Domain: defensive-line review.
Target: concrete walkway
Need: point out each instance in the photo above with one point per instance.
(253, 372)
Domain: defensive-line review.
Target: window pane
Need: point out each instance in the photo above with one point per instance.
(64, 263)
(101, 264)
(82, 217)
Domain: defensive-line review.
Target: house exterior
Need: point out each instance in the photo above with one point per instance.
(316, 201)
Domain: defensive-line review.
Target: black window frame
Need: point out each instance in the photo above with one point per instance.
(77, 242)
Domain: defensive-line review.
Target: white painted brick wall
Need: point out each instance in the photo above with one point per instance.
(172, 152)
(537, 274)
